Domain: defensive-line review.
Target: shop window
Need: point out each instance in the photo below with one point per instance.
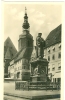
(48, 58)
(53, 57)
(59, 80)
(55, 80)
(59, 55)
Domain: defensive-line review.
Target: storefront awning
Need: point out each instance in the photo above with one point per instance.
(57, 75)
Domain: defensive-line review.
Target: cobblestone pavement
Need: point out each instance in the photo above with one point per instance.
(14, 98)
(10, 88)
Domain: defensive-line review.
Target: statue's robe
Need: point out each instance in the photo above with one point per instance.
(39, 48)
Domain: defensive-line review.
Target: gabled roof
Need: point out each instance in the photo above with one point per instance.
(23, 53)
(53, 37)
(9, 48)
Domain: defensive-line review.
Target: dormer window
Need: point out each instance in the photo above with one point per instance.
(48, 51)
(59, 46)
(53, 48)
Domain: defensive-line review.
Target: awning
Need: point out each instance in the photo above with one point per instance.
(57, 75)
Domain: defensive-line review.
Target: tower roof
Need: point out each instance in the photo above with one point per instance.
(25, 24)
(9, 47)
(8, 55)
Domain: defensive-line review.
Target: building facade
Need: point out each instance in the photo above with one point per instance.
(9, 53)
(52, 53)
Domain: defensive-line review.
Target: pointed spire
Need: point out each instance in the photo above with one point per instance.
(8, 55)
(25, 10)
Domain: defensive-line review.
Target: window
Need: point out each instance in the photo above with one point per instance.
(59, 68)
(55, 80)
(59, 55)
(53, 57)
(53, 49)
(48, 58)
(49, 51)
(53, 68)
(59, 80)
(59, 46)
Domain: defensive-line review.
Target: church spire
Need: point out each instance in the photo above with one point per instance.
(26, 24)
(25, 10)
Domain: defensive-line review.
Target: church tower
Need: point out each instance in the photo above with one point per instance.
(25, 44)
(25, 39)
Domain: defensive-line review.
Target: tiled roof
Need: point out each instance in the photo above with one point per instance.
(53, 37)
(23, 53)
(9, 45)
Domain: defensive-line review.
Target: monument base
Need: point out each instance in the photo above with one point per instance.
(39, 70)
(38, 78)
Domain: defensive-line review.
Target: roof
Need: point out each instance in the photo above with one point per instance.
(53, 37)
(8, 55)
(9, 49)
(23, 53)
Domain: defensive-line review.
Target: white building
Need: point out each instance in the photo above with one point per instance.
(52, 53)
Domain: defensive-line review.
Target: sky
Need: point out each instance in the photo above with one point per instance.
(42, 17)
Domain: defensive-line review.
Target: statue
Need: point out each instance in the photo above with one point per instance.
(40, 43)
(35, 71)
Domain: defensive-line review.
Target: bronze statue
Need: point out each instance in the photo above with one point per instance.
(40, 43)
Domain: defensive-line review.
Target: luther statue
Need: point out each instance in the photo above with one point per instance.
(40, 43)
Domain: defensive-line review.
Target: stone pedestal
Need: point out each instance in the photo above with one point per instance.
(39, 70)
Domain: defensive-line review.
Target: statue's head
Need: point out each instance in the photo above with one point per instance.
(39, 34)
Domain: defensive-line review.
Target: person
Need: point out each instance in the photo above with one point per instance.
(40, 43)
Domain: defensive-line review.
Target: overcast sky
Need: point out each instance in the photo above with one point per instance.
(41, 17)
